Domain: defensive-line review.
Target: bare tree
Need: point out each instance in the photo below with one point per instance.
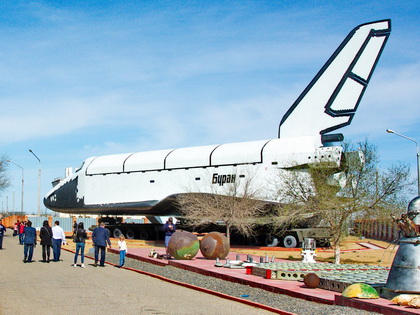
(4, 179)
(236, 203)
(336, 195)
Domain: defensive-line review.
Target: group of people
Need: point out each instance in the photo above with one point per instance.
(27, 237)
(49, 237)
(18, 230)
(54, 237)
(100, 240)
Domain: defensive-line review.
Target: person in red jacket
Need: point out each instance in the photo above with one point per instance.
(21, 229)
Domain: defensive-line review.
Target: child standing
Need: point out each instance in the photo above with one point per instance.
(123, 250)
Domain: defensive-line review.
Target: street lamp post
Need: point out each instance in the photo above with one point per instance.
(23, 181)
(418, 156)
(39, 182)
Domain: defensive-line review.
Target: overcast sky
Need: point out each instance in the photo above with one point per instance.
(88, 78)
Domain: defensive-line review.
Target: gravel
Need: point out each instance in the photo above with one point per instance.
(275, 300)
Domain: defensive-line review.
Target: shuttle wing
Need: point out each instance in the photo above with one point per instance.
(330, 101)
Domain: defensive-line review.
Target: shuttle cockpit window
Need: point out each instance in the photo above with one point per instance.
(78, 169)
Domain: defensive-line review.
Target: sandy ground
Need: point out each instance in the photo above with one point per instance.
(352, 252)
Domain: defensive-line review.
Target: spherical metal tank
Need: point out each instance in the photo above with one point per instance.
(214, 245)
(414, 210)
(183, 245)
(311, 280)
(361, 291)
(414, 205)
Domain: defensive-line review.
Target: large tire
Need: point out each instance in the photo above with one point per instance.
(144, 235)
(117, 233)
(290, 241)
(129, 234)
(271, 241)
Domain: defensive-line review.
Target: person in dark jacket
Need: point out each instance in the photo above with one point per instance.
(100, 238)
(80, 237)
(29, 242)
(75, 227)
(169, 228)
(45, 234)
(2, 232)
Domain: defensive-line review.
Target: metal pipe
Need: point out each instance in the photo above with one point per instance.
(39, 182)
(418, 156)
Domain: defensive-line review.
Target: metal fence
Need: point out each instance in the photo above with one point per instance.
(386, 230)
(38, 221)
(87, 222)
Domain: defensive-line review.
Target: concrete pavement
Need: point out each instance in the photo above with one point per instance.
(59, 288)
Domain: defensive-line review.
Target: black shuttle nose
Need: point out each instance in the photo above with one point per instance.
(64, 197)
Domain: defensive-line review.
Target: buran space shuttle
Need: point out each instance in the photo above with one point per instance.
(146, 183)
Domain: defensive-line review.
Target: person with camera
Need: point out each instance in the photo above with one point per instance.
(169, 228)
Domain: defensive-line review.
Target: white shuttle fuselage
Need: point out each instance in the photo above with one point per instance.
(145, 183)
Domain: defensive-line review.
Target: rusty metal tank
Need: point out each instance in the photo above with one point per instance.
(311, 280)
(404, 276)
(215, 245)
(183, 245)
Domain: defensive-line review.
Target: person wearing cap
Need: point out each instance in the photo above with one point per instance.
(169, 228)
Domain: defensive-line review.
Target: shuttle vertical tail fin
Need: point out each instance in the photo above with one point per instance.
(330, 101)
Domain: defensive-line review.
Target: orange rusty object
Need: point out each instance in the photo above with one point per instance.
(215, 245)
(311, 280)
